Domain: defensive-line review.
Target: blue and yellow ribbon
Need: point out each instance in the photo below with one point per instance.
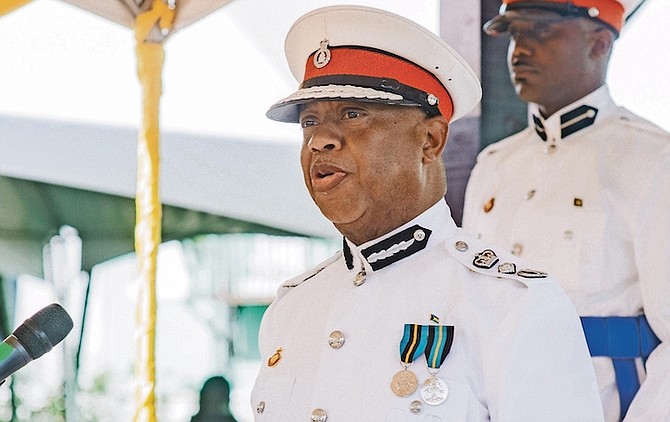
(413, 342)
(433, 340)
(438, 344)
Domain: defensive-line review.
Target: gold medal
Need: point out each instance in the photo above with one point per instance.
(404, 383)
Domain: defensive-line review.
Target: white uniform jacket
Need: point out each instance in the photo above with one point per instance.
(330, 341)
(585, 194)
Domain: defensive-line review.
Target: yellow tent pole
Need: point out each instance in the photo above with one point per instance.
(7, 6)
(150, 57)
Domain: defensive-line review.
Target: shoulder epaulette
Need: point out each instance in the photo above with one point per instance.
(481, 257)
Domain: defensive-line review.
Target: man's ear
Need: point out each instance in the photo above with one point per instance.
(603, 39)
(436, 138)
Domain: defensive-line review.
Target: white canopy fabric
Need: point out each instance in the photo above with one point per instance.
(241, 179)
(124, 12)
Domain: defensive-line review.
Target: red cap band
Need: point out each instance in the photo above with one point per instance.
(376, 64)
(610, 11)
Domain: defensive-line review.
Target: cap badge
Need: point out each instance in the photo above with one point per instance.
(322, 55)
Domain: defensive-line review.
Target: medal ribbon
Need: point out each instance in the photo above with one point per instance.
(413, 342)
(438, 343)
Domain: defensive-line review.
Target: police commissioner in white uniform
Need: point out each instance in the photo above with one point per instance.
(330, 341)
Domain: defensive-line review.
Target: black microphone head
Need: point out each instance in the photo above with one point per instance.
(42, 331)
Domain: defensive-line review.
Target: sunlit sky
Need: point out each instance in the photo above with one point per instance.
(222, 72)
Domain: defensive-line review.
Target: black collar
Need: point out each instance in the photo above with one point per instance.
(571, 122)
(392, 249)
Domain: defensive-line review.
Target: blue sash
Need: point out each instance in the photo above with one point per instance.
(623, 339)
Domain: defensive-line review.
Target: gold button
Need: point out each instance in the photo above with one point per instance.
(360, 278)
(274, 359)
(489, 205)
(260, 407)
(319, 415)
(530, 194)
(336, 339)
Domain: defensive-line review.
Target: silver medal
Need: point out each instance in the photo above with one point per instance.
(434, 391)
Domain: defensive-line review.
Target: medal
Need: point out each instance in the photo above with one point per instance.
(413, 342)
(434, 390)
(404, 383)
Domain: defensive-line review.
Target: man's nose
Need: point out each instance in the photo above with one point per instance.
(325, 138)
(519, 45)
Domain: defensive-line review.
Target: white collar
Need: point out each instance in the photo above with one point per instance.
(571, 118)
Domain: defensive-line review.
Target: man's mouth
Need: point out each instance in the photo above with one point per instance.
(326, 176)
(521, 69)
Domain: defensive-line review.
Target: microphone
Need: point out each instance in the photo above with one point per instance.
(36, 336)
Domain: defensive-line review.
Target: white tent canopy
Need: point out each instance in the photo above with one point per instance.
(250, 181)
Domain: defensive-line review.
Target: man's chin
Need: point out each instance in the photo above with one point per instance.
(526, 91)
(339, 219)
(519, 87)
(335, 212)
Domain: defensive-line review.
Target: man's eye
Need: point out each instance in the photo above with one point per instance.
(307, 123)
(351, 114)
(542, 30)
(539, 31)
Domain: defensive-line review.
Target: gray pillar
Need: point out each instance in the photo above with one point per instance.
(503, 113)
(460, 27)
